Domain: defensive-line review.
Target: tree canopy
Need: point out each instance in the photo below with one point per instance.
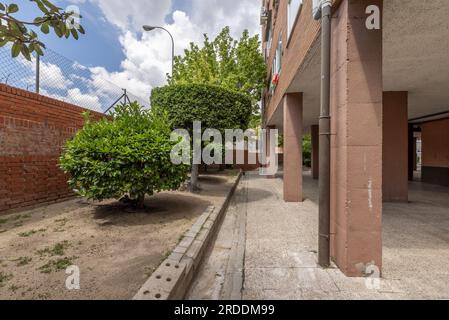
(233, 64)
(24, 39)
(216, 107)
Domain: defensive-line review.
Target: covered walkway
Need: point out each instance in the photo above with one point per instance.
(271, 251)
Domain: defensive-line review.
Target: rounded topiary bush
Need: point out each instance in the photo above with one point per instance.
(126, 156)
(214, 106)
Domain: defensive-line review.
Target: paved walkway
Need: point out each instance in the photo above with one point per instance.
(266, 249)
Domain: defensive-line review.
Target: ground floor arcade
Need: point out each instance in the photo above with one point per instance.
(389, 125)
(266, 248)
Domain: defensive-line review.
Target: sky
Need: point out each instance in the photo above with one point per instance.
(115, 48)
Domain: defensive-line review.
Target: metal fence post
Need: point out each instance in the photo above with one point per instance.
(38, 72)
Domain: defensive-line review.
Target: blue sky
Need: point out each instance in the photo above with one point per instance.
(115, 49)
(101, 37)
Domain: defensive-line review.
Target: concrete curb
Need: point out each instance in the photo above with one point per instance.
(174, 276)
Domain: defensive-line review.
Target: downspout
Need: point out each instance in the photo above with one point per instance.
(325, 136)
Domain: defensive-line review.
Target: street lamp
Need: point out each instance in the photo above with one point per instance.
(151, 28)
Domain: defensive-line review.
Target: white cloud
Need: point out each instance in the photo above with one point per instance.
(148, 55)
(132, 15)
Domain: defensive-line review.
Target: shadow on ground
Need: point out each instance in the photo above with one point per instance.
(159, 208)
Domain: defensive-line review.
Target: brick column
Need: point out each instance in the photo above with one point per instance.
(315, 150)
(395, 146)
(356, 143)
(293, 132)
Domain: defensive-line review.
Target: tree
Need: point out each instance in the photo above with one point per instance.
(307, 150)
(126, 156)
(24, 40)
(216, 107)
(235, 65)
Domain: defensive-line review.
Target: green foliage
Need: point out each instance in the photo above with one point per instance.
(214, 106)
(307, 150)
(235, 65)
(129, 155)
(57, 265)
(24, 40)
(4, 278)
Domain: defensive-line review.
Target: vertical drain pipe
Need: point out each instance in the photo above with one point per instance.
(325, 136)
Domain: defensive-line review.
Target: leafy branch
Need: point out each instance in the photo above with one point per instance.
(24, 40)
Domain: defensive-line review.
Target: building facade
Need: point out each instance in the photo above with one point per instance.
(389, 83)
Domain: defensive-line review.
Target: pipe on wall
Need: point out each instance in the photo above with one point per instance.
(325, 136)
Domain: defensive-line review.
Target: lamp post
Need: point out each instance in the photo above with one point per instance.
(151, 28)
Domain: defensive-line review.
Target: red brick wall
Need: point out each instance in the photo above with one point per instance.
(33, 129)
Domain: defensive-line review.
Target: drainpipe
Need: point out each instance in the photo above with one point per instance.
(325, 136)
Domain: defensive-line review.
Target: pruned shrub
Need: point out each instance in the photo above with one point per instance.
(126, 156)
(214, 106)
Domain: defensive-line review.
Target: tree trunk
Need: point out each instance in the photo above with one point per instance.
(194, 178)
(141, 201)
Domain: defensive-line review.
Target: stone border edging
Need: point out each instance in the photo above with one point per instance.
(174, 276)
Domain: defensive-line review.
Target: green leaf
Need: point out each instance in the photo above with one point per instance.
(16, 48)
(45, 28)
(38, 49)
(58, 31)
(74, 34)
(52, 7)
(25, 52)
(2, 7)
(13, 8)
(41, 6)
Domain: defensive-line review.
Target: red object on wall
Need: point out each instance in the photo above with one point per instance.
(275, 79)
(33, 129)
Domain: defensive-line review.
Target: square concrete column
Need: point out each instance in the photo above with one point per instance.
(269, 152)
(315, 150)
(411, 152)
(395, 146)
(293, 133)
(356, 142)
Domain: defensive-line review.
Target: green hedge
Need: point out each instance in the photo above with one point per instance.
(214, 106)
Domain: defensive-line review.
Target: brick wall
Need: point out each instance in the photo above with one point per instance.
(33, 129)
(305, 32)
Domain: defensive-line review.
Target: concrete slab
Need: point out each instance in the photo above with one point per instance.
(266, 249)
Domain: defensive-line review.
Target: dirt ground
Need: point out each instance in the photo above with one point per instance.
(116, 248)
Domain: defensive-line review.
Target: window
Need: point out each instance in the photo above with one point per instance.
(278, 57)
(270, 37)
(293, 10)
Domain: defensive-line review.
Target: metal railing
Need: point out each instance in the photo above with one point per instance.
(55, 76)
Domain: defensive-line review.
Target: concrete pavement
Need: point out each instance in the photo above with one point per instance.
(266, 249)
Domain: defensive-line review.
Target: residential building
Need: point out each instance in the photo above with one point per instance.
(388, 83)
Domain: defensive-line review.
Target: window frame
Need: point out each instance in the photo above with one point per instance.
(291, 21)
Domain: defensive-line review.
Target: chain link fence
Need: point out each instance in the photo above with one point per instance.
(55, 76)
